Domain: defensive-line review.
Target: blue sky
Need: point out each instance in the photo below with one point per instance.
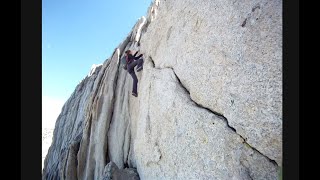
(79, 33)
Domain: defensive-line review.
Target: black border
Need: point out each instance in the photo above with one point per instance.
(290, 90)
(302, 96)
(31, 32)
(17, 108)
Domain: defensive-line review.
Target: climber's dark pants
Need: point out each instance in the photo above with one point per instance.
(130, 68)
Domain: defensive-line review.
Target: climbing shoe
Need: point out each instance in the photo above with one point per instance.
(135, 94)
(139, 68)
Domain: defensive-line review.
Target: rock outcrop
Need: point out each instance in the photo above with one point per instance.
(112, 171)
(209, 104)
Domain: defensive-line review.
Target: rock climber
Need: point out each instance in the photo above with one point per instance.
(133, 61)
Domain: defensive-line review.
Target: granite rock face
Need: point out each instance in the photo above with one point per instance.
(209, 104)
(228, 55)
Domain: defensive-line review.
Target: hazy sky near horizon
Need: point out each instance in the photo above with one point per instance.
(75, 35)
